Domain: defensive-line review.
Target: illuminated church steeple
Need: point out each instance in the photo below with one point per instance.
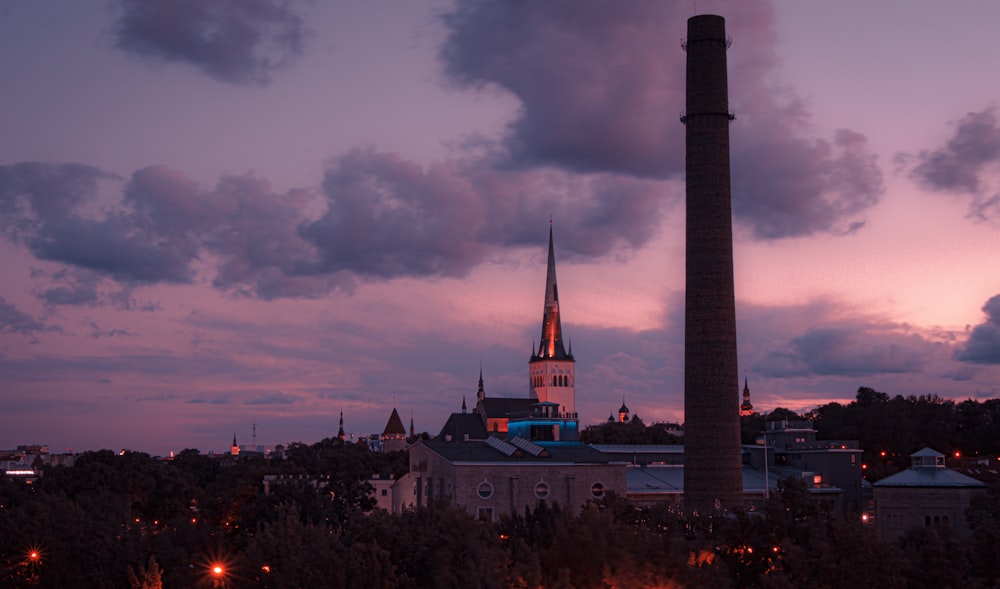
(551, 369)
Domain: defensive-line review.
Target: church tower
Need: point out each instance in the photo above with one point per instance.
(552, 372)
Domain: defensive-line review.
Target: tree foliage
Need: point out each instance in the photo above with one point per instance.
(135, 521)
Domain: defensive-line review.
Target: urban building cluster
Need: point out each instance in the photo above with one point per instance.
(507, 453)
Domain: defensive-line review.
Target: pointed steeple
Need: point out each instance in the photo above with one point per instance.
(481, 392)
(340, 432)
(746, 407)
(412, 434)
(551, 344)
(464, 410)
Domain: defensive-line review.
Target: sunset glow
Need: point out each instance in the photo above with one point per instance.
(193, 241)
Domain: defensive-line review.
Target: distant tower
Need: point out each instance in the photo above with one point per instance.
(481, 393)
(340, 432)
(253, 435)
(713, 474)
(746, 407)
(394, 434)
(235, 450)
(551, 371)
(623, 412)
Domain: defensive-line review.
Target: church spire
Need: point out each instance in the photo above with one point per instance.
(746, 407)
(481, 392)
(340, 433)
(551, 372)
(551, 345)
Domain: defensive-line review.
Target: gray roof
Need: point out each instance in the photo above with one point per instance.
(503, 406)
(480, 451)
(461, 424)
(670, 479)
(929, 477)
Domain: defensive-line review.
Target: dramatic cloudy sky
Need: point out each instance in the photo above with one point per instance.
(215, 213)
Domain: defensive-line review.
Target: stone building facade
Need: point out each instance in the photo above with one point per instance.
(927, 494)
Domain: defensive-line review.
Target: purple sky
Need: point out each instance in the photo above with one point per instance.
(250, 210)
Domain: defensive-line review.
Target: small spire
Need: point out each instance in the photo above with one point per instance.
(412, 434)
(463, 404)
(340, 432)
(481, 392)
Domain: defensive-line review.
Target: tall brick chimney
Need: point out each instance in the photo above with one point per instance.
(713, 476)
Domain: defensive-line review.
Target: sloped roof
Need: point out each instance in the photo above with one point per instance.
(495, 407)
(394, 426)
(670, 479)
(929, 477)
(480, 451)
(460, 424)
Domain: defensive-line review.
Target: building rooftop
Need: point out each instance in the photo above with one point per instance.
(482, 451)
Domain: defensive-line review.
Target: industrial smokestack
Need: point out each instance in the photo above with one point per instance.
(713, 476)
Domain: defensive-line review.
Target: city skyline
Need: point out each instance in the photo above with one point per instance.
(306, 209)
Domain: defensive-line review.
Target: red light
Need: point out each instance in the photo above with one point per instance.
(217, 570)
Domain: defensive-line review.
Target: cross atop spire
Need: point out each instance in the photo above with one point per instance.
(551, 344)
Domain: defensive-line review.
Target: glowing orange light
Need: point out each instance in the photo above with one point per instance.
(33, 555)
(266, 568)
(958, 454)
(217, 570)
(864, 466)
(882, 453)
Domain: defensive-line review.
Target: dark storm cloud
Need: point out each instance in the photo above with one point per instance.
(959, 165)
(389, 217)
(601, 87)
(965, 163)
(983, 345)
(98, 331)
(81, 287)
(13, 320)
(44, 208)
(273, 398)
(220, 399)
(856, 351)
(378, 217)
(249, 229)
(233, 41)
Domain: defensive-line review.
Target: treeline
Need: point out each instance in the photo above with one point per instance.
(127, 522)
(633, 431)
(889, 429)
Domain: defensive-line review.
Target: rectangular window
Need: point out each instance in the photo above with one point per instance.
(485, 513)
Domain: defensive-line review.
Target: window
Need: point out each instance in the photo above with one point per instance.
(385, 492)
(597, 490)
(542, 490)
(485, 513)
(485, 490)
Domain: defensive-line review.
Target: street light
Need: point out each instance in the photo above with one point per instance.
(217, 571)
